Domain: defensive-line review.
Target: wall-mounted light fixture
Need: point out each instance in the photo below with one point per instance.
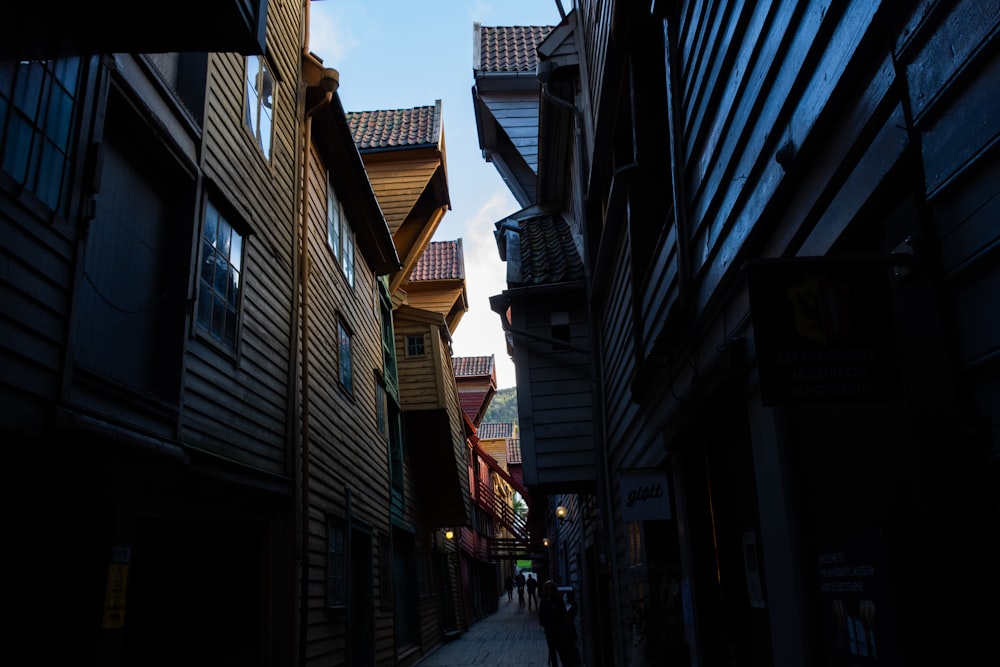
(545, 542)
(562, 513)
(449, 534)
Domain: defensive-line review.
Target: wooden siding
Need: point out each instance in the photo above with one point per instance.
(555, 401)
(398, 185)
(254, 432)
(35, 296)
(347, 454)
(953, 70)
(441, 298)
(422, 379)
(517, 114)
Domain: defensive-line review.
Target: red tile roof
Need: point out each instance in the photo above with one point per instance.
(442, 260)
(396, 128)
(514, 451)
(511, 48)
(495, 430)
(473, 366)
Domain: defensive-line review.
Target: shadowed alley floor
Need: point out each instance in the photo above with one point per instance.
(510, 636)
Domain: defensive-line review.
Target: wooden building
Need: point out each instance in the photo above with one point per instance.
(203, 418)
(497, 535)
(350, 418)
(782, 213)
(404, 155)
(148, 218)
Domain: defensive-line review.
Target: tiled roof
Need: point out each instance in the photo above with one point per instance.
(495, 430)
(442, 260)
(396, 128)
(511, 48)
(473, 366)
(548, 254)
(514, 451)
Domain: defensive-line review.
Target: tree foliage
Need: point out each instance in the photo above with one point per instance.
(503, 407)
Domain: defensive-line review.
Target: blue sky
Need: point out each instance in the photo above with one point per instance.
(398, 54)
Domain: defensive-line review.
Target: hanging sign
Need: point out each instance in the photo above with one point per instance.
(823, 330)
(645, 495)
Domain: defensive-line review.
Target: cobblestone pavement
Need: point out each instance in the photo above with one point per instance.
(510, 636)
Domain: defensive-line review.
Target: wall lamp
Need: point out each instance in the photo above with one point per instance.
(562, 513)
(449, 534)
(545, 542)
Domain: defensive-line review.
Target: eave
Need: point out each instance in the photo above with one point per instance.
(335, 143)
(62, 28)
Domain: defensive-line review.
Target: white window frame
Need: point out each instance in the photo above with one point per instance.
(339, 235)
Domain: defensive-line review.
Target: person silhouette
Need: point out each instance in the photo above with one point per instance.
(559, 627)
(520, 581)
(532, 585)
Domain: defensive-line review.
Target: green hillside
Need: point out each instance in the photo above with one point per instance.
(503, 407)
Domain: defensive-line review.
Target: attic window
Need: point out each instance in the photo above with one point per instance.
(560, 328)
(415, 346)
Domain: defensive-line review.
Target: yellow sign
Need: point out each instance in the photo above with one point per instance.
(114, 596)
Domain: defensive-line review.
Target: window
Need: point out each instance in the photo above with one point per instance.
(37, 114)
(388, 335)
(396, 445)
(219, 286)
(380, 405)
(339, 236)
(344, 338)
(415, 346)
(336, 564)
(260, 102)
(560, 329)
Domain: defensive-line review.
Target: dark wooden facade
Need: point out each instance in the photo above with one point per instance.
(150, 456)
(346, 398)
(732, 156)
(404, 157)
(187, 461)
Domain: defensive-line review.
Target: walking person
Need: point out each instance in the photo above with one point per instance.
(508, 586)
(560, 631)
(520, 588)
(532, 586)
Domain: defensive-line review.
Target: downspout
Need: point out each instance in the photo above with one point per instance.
(330, 83)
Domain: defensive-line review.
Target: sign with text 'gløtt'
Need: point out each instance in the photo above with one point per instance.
(645, 495)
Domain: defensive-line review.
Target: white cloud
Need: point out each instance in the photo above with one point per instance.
(480, 333)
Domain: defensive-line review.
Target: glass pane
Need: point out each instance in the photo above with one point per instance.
(233, 296)
(60, 118)
(348, 256)
(50, 174)
(229, 337)
(7, 70)
(221, 275)
(333, 221)
(266, 124)
(15, 157)
(207, 263)
(236, 251)
(218, 317)
(253, 101)
(29, 88)
(205, 305)
(66, 72)
(225, 237)
(211, 224)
